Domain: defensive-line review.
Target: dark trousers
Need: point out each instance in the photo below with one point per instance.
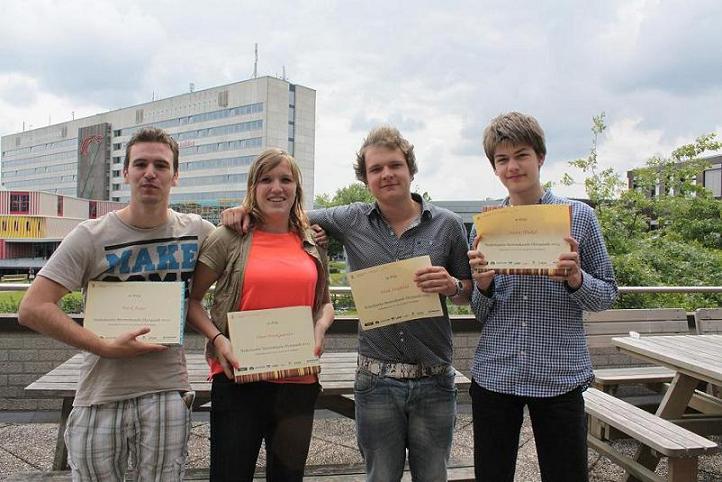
(560, 434)
(242, 415)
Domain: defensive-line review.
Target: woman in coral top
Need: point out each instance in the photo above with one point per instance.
(277, 264)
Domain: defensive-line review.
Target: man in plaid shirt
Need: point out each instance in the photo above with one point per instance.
(532, 351)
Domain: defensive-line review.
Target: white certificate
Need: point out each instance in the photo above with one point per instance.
(115, 308)
(524, 240)
(386, 294)
(273, 344)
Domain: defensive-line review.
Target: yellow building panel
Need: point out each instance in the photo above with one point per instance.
(17, 227)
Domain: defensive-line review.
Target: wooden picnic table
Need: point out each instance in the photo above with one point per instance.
(694, 359)
(337, 379)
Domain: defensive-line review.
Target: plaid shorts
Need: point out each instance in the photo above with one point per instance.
(152, 430)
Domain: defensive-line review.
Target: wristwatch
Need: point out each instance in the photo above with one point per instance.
(459, 287)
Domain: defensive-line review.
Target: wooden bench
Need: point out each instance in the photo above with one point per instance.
(708, 321)
(602, 326)
(14, 278)
(679, 445)
(337, 379)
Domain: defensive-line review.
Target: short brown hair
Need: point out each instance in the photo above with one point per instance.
(152, 134)
(390, 138)
(266, 161)
(516, 129)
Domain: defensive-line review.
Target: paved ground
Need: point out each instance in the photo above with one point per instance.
(27, 442)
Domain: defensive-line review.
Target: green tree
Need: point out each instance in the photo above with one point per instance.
(354, 192)
(666, 229)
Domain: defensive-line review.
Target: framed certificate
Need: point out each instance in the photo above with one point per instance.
(114, 308)
(386, 294)
(273, 344)
(524, 239)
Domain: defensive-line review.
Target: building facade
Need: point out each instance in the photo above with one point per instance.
(710, 178)
(219, 131)
(32, 225)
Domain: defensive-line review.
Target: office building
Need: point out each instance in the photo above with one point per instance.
(219, 131)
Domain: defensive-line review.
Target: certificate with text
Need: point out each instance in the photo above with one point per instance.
(114, 308)
(273, 344)
(524, 239)
(386, 294)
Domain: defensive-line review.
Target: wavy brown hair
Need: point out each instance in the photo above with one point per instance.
(389, 138)
(515, 129)
(267, 161)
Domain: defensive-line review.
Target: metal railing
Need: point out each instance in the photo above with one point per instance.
(342, 290)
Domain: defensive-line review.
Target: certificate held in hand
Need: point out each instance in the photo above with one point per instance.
(112, 309)
(386, 294)
(273, 344)
(524, 240)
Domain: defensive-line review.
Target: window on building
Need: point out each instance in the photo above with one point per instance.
(19, 203)
(92, 209)
(713, 181)
(60, 205)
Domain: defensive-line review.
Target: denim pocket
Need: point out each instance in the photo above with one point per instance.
(445, 381)
(364, 382)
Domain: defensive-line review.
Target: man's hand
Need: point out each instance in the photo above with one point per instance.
(435, 279)
(127, 345)
(237, 219)
(481, 276)
(569, 262)
(224, 352)
(320, 236)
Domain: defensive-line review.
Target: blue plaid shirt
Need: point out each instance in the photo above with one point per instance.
(532, 338)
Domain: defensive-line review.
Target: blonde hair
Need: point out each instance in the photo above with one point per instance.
(266, 161)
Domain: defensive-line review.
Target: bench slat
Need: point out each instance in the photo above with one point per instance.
(655, 432)
(632, 375)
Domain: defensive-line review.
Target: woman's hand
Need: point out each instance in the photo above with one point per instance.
(224, 352)
(320, 327)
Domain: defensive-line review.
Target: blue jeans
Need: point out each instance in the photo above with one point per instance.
(393, 415)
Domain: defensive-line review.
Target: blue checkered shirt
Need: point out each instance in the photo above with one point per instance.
(532, 337)
(370, 241)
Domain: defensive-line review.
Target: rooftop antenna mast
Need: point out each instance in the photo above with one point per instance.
(255, 63)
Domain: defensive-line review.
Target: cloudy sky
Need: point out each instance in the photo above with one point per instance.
(437, 70)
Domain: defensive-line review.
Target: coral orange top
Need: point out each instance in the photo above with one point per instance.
(278, 274)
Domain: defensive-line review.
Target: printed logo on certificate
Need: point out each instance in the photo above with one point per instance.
(386, 294)
(273, 344)
(115, 308)
(524, 240)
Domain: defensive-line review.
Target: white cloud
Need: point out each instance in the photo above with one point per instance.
(438, 71)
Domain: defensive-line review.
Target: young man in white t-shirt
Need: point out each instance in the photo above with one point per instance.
(129, 400)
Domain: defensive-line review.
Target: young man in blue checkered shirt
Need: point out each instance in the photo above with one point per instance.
(532, 351)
